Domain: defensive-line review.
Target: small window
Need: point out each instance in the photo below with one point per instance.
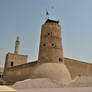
(12, 63)
(52, 44)
(44, 44)
(60, 59)
(48, 33)
(0, 76)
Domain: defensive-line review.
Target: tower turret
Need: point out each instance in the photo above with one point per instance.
(51, 49)
(17, 43)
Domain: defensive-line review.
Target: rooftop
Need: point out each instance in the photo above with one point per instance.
(51, 21)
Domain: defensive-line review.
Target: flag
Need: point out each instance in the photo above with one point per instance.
(47, 13)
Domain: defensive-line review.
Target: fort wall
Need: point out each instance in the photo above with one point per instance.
(21, 72)
(18, 73)
(77, 68)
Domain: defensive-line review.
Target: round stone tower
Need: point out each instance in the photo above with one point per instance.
(51, 43)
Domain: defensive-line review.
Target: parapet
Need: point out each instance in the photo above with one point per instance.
(51, 21)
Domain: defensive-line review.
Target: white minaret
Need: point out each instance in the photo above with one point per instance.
(17, 43)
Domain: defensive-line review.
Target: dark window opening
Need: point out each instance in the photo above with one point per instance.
(48, 33)
(52, 44)
(12, 63)
(0, 76)
(44, 44)
(60, 59)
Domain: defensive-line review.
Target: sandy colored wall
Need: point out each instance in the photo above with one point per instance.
(19, 72)
(16, 59)
(78, 68)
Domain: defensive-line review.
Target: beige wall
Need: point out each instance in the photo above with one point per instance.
(21, 72)
(78, 68)
(16, 59)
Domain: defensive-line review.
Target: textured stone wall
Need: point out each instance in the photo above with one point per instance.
(50, 49)
(78, 68)
(16, 59)
(19, 72)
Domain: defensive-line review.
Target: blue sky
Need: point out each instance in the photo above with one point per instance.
(25, 17)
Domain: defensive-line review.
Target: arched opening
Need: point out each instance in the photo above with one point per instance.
(60, 59)
(12, 63)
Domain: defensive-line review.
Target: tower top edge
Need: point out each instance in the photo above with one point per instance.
(18, 38)
(51, 21)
